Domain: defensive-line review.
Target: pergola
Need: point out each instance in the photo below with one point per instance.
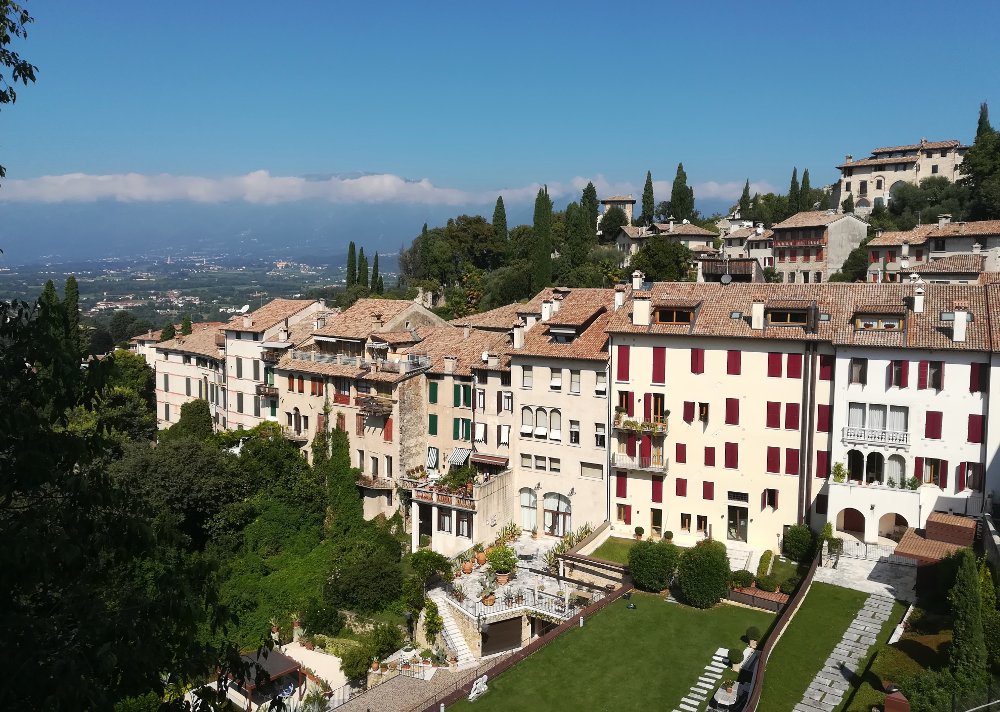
(276, 665)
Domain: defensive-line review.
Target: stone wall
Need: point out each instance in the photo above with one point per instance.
(991, 542)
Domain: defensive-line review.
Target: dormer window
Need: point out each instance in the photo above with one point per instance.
(674, 316)
(874, 322)
(791, 317)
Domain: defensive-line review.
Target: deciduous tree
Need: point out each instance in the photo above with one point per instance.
(662, 259)
(612, 222)
(14, 21)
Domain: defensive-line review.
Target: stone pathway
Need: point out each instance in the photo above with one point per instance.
(827, 689)
(705, 687)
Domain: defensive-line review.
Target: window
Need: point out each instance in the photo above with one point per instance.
(461, 428)
(591, 470)
(574, 432)
(769, 498)
(554, 464)
(621, 485)
(361, 460)
(795, 365)
(697, 360)
(973, 472)
(934, 169)
(703, 412)
(539, 463)
(555, 425)
(733, 363)
(685, 522)
(526, 461)
(680, 453)
(878, 184)
(444, 520)
(773, 459)
(657, 409)
(897, 373)
(601, 387)
(859, 371)
(826, 367)
(463, 395)
(657, 493)
(932, 425)
(432, 392)
(541, 423)
(166, 411)
(737, 496)
(732, 411)
(847, 186)
(463, 524)
(555, 379)
(688, 413)
(624, 513)
(975, 428)
(239, 402)
(709, 456)
(503, 435)
(791, 461)
(935, 471)
(659, 364)
(166, 382)
(681, 487)
(673, 316)
(979, 378)
(526, 377)
(558, 514)
(480, 433)
(773, 419)
(707, 490)
(507, 401)
(505, 379)
(920, 255)
(256, 370)
(823, 418)
(239, 367)
(939, 246)
(527, 421)
(301, 384)
(256, 406)
(930, 374)
(374, 466)
(621, 372)
(774, 365)
(786, 317)
(791, 416)
(600, 437)
(481, 400)
(732, 460)
(574, 381)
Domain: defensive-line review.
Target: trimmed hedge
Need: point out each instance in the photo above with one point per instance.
(652, 564)
(765, 563)
(799, 543)
(742, 579)
(704, 574)
(767, 583)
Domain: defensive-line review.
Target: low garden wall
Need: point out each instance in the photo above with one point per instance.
(759, 599)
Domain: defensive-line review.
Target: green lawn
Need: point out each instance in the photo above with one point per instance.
(866, 690)
(641, 659)
(805, 645)
(614, 549)
(784, 569)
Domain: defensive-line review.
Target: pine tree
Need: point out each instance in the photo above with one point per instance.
(744, 206)
(352, 265)
(681, 197)
(805, 192)
(967, 655)
(794, 193)
(168, 332)
(186, 325)
(71, 303)
(648, 202)
(541, 258)
(362, 278)
(374, 278)
(500, 222)
(590, 206)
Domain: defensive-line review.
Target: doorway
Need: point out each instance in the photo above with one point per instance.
(736, 529)
(656, 522)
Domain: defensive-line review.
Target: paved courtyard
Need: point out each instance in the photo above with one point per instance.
(877, 577)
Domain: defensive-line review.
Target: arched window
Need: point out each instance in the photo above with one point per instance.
(875, 465)
(529, 509)
(527, 421)
(296, 421)
(558, 514)
(895, 470)
(855, 465)
(555, 425)
(541, 423)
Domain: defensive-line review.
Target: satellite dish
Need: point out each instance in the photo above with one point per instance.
(726, 278)
(244, 309)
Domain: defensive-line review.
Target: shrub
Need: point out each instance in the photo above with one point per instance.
(385, 640)
(735, 656)
(742, 579)
(426, 563)
(753, 633)
(789, 585)
(765, 563)
(320, 616)
(668, 535)
(767, 583)
(413, 594)
(433, 622)
(355, 661)
(798, 543)
(639, 531)
(502, 559)
(704, 574)
(652, 565)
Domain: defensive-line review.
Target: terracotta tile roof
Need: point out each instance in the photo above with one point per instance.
(200, 342)
(397, 337)
(989, 277)
(922, 233)
(811, 218)
(618, 199)
(737, 265)
(684, 230)
(916, 236)
(925, 146)
(791, 304)
(151, 335)
(924, 330)
(499, 318)
(914, 545)
(749, 233)
(899, 308)
(951, 520)
(952, 263)
(355, 322)
(577, 312)
(446, 341)
(268, 315)
(877, 161)
(591, 345)
(318, 368)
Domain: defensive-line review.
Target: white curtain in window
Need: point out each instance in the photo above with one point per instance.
(856, 415)
(505, 435)
(895, 467)
(541, 422)
(527, 421)
(876, 417)
(529, 503)
(480, 432)
(898, 417)
(555, 425)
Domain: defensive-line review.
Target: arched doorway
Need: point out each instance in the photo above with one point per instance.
(851, 521)
(558, 514)
(875, 468)
(892, 526)
(529, 509)
(855, 465)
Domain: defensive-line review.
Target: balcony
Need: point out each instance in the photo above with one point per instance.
(342, 398)
(296, 436)
(376, 483)
(654, 463)
(267, 391)
(657, 426)
(377, 406)
(869, 436)
(446, 498)
(270, 355)
(338, 359)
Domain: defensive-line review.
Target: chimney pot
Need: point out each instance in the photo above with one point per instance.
(637, 278)
(465, 331)
(640, 310)
(619, 298)
(944, 219)
(961, 323)
(757, 315)
(449, 364)
(546, 309)
(519, 335)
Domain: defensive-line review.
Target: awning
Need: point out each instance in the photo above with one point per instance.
(432, 458)
(459, 455)
(490, 460)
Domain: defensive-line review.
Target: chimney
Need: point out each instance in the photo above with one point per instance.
(640, 309)
(377, 320)
(319, 322)
(848, 158)
(757, 315)
(465, 331)
(671, 228)
(283, 334)
(519, 334)
(449, 363)
(556, 303)
(492, 360)
(961, 322)
(759, 228)
(546, 309)
(530, 322)
(977, 248)
(944, 219)
(637, 278)
(247, 322)
(878, 232)
(918, 300)
(619, 297)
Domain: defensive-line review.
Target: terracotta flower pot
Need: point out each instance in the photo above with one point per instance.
(490, 600)
(481, 558)
(466, 567)
(502, 579)
(374, 666)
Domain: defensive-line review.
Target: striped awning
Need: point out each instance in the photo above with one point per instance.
(459, 456)
(490, 459)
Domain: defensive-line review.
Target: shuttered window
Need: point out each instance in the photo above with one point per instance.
(774, 365)
(932, 425)
(975, 428)
(732, 456)
(791, 461)
(734, 366)
(709, 456)
(680, 453)
(432, 424)
(697, 360)
(621, 373)
(657, 489)
(822, 464)
(774, 460)
(791, 416)
(681, 487)
(659, 364)
(823, 418)
(621, 485)
(826, 367)
(732, 411)
(708, 490)
(795, 365)
(773, 414)
(688, 411)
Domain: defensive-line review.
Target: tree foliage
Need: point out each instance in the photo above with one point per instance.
(704, 573)
(648, 201)
(662, 259)
(352, 264)
(362, 268)
(652, 564)
(967, 658)
(981, 170)
(744, 204)
(195, 422)
(794, 193)
(500, 222)
(799, 543)
(591, 206)
(682, 197)
(541, 256)
(14, 21)
(613, 220)
(168, 332)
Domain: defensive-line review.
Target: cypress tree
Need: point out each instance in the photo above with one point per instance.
(793, 193)
(186, 325)
(542, 247)
(967, 655)
(168, 332)
(805, 197)
(848, 205)
(983, 127)
(381, 285)
(500, 222)
(71, 303)
(362, 277)
(981, 170)
(681, 196)
(352, 264)
(590, 206)
(374, 279)
(578, 237)
(744, 206)
(648, 202)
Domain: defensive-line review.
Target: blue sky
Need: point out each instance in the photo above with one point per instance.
(229, 98)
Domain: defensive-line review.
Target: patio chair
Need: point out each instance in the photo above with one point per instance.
(288, 691)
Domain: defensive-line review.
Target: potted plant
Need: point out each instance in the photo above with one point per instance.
(374, 664)
(458, 592)
(503, 561)
(639, 531)
(736, 659)
(488, 593)
(467, 566)
(534, 532)
(307, 641)
(519, 596)
(839, 472)
(668, 535)
(508, 598)
(480, 554)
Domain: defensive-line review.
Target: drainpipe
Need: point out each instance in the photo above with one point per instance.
(607, 430)
(810, 430)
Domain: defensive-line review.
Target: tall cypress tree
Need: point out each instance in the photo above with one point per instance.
(793, 193)
(981, 170)
(500, 222)
(590, 206)
(648, 202)
(362, 277)
(578, 236)
(352, 265)
(168, 332)
(186, 325)
(681, 196)
(374, 278)
(805, 197)
(744, 206)
(967, 655)
(71, 303)
(541, 268)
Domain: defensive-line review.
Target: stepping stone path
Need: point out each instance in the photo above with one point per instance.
(827, 689)
(707, 681)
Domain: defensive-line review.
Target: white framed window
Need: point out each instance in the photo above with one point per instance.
(508, 401)
(444, 519)
(526, 461)
(574, 381)
(527, 377)
(600, 436)
(463, 524)
(503, 435)
(601, 389)
(527, 421)
(481, 399)
(554, 464)
(555, 425)
(574, 432)
(480, 433)
(591, 470)
(541, 423)
(539, 463)
(555, 380)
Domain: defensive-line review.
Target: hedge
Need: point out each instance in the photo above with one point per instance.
(704, 574)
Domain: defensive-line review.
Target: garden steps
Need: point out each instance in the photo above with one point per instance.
(453, 637)
(704, 687)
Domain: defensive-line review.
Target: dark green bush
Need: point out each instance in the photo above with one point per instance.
(652, 565)
(735, 656)
(767, 583)
(753, 633)
(742, 579)
(789, 585)
(354, 661)
(321, 617)
(765, 563)
(704, 574)
(385, 640)
(799, 543)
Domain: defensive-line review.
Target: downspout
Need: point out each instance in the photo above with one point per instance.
(810, 433)
(607, 439)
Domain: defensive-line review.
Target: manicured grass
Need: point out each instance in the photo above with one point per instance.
(866, 689)
(614, 549)
(805, 645)
(641, 659)
(784, 569)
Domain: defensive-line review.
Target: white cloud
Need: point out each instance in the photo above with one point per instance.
(264, 188)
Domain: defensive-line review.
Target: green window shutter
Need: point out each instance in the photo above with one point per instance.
(432, 424)
(458, 395)
(467, 429)
(467, 395)
(456, 424)
(433, 396)
(274, 408)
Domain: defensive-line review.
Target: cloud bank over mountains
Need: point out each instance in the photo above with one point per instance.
(260, 187)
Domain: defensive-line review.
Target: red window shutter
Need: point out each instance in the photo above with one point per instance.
(763, 499)
(631, 404)
(732, 411)
(628, 513)
(623, 356)
(688, 411)
(774, 365)
(657, 489)
(647, 407)
(732, 456)
(774, 459)
(791, 416)
(709, 456)
(823, 418)
(791, 461)
(961, 476)
(680, 453)
(708, 490)
(681, 487)
(974, 378)
(630, 446)
(932, 425)
(387, 432)
(302, 384)
(646, 447)
(697, 360)
(904, 374)
(773, 414)
(922, 375)
(943, 479)
(659, 364)
(621, 485)
(291, 383)
(734, 364)
(918, 468)
(795, 365)
(826, 367)
(975, 428)
(822, 464)
(360, 424)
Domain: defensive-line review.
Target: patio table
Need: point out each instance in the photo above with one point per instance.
(723, 699)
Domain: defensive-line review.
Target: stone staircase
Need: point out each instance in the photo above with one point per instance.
(699, 693)
(453, 638)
